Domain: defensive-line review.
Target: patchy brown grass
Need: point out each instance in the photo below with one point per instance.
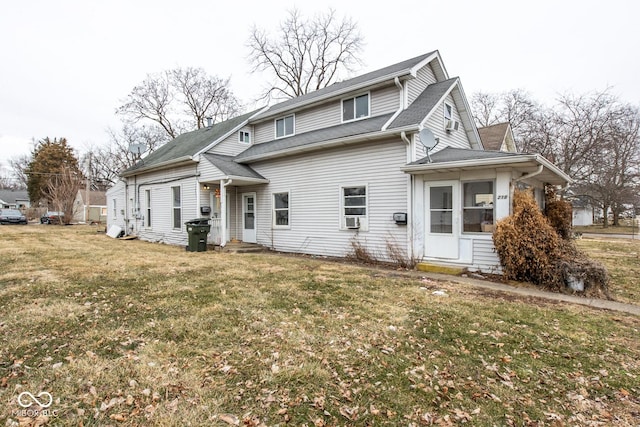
(137, 334)
(621, 257)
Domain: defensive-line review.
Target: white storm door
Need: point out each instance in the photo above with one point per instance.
(249, 217)
(442, 231)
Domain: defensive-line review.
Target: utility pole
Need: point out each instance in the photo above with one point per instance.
(87, 211)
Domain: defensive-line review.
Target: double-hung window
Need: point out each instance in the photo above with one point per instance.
(354, 207)
(285, 126)
(281, 209)
(478, 201)
(114, 204)
(177, 208)
(355, 108)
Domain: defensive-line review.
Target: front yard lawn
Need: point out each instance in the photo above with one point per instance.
(138, 334)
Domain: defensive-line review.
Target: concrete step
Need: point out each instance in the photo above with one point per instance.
(243, 248)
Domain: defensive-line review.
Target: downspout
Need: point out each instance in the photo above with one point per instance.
(223, 211)
(396, 80)
(410, 248)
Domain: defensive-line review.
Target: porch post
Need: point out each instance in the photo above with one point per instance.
(223, 211)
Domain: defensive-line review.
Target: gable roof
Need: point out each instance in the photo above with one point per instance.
(404, 68)
(423, 104)
(230, 168)
(96, 198)
(494, 136)
(12, 196)
(185, 146)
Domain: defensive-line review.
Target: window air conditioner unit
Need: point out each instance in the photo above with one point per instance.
(352, 222)
(452, 125)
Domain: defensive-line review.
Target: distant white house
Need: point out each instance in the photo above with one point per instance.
(14, 199)
(344, 163)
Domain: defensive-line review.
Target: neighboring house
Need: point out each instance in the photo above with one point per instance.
(93, 204)
(498, 137)
(345, 163)
(583, 211)
(14, 199)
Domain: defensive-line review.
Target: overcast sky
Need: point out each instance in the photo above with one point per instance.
(67, 64)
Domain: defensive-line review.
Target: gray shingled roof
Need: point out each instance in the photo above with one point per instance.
(391, 71)
(188, 144)
(308, 139)
(450, 154)
(229, 167)
(12, 196)
(424, 103)
(493, 136)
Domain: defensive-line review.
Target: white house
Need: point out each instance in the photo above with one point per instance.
(345, 162)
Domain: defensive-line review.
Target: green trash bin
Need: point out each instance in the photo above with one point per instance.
(197, 229)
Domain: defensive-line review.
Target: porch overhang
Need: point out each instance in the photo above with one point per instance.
(544, 170)
(236, 180)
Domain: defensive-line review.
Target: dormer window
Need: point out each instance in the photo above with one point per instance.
(285, 126)
(355, 108)
(244, 137)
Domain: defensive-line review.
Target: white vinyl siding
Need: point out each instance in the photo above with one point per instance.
(416, 86)
(456, 138)
(231, 145)
(316, 179)
(485, 257)
(385, 100)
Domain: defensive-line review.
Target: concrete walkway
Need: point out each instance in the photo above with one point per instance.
(529, 292)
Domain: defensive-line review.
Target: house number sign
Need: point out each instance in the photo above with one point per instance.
(502, 197)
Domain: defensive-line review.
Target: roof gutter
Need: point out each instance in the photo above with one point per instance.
(530, 175)
(491, 161)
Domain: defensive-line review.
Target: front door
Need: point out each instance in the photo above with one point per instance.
(442, 205)
(249, 217)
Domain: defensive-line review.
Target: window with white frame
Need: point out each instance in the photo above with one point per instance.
(355, 108)
(448, 112)
(354, 206)
(114, 203)
(285, 126)
(147, 203)
(244, 137)
(281, 209)
(478, 203)
(177, 208)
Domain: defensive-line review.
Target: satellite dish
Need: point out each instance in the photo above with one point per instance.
(428, 140)
(137, 148)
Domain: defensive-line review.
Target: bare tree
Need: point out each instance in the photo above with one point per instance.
(515, 107)
(62, 189)
(19, 165)
(306, 54)
(179, 100)
(108, 160)
(204, 96)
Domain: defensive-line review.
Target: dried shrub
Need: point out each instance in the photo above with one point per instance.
(360, 252)
(398, 255)
(530, 249)
(559, 212)
(527, 245)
